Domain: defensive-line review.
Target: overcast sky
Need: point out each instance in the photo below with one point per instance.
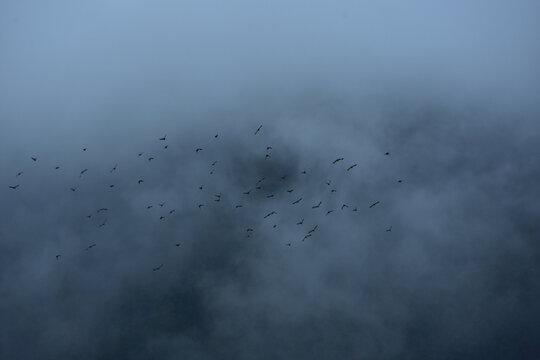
(444, 266)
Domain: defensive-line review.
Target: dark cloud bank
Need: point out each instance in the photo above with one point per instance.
(450, 91)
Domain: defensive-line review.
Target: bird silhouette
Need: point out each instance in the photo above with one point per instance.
(290, 190)
(386, 153)
(161, 204)
(91, 246)
(214, 163)
(300, 222)
(58, 256)
(238, 206)
(140, 181)
(89, 216)
(329, 212)
(72, 189)
(389, 229)
(103, 224)
(316, 206)
(216, 136)
(337, 160)
(306, 236)
(201, 205)
(313, 230)
(166, 147)
(288, 244)
(355, 209)
(258, 129)
(333, 190)
(57, 167)
(149, 206)
(304, 172)
(114, 168)
(247, 192)
(259, 181)
(111, 186)
(400, 181)
(14, 187)
(258, 187)
(249, 229)
(102, 209)
(271, 213)
(267, 156)
(177, 244)
(270, 196)
(150, 158)
(200, 187)
(172, 211)
(344, 206)
(274, 226)
(82, 172)
(34, 158)
(140, 154)
(161, 217)
(352, 166)
(297, 201)
(20, 173)
(283, 177)
(372, 205)
(198, 149)
(163, 138)
(328, 182)
(268, 148)
(158, 267)
(211, 172)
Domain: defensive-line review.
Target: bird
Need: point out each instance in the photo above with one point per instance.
(216, 136)
(304, 172)
(111, 186)
(211, 172)
(238, 206)
(20, 173)
(114, 168)
(386, 153)
(218, 196)
(258, 129)
(329, 212)
(140, 154)
(258, 187)
(89, 216)
(259, 181)
(158, 267)
(214, 163)
(290, 190)
(166, 147)
(306, 236)
(84, 149)
(271, 213)
(91, 246)
(400, 181)
(328, 182)
(161, 217)
(102, 209)
(283, 177)
(58, 256)
(268, 148)
(297, 201)
(172, 211)
(270, 196)
(288, 244)
(344, 206)
(274, 226)
(201, 205)
(161, 204)
(140, 181)
(217, 200)
(34, 158)
(352, 166)
(14, 187)
(200, 187)
(57, 167)
(300, 222)
(314, 228)
(389, 229)
(355, 209)
(337, 160)
(316, 206)
(267, 156)
(150, 158)
(372, 205)
(73, 189)
(249, 229)
(82, 172)
(103, 224)
(333, 190)
(247, 192)
(149, 206)
(198, 149)
(163, 138)
(177, 244)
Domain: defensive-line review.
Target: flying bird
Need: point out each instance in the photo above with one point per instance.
(72, 189)
(290, 190)
(329, 212)
(89, 216)
(312, 230)
(149, 206)
(270, 196)
(372, 205)
(140, 154)
(389, 229)
(91, 246)
(283, 177)
(304, 172)
(247, 192)
(161, 217)
(34, 158)
(198, 149)
(333, 190)
(201, 205)
(140, 181)
(214, 163)
(274, 226)
(249, 229)
(268, 148)
(211, 172)
(158, 267)
(259, 181)
(163, 138)
(114, 168)
(337, 160)
(57, 167)
(102, 209)
(316, 206)
(84, 149)
(172, 211)
(82, 172)
(111, 186)
(161, 204)
(352, 166)
(271, 213)
(386, 153)
(150, 158)
(177, 244)
(258, 129)
(306, 236)
(300, 222)
(166, 147)
(20, 173)
(102, 225)
(267, 156)
(14, 187)
(328, 182)
(238, 206)
(200, 187)
(58, 256)
(344, 206)
(355, 209)
(216, 136)
(297, 201)
(400, 181)
(258, 187)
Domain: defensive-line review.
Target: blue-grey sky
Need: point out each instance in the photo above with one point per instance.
(444, 266)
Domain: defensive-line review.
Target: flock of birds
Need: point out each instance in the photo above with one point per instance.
(218, 197)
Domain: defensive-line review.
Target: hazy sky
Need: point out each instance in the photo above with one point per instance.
(450, 89)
